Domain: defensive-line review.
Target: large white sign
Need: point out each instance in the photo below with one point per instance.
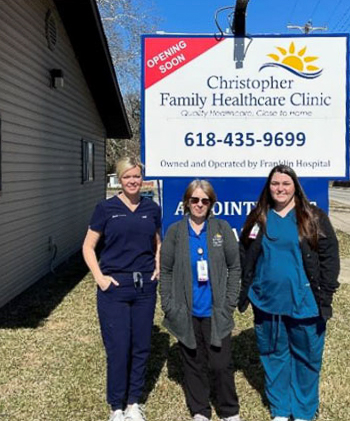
(202, 117)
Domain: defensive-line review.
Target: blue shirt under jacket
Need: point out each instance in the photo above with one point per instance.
(128, 236)
(201, 290)
(280, 285)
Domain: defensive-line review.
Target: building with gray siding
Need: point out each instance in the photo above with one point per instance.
(59, 100)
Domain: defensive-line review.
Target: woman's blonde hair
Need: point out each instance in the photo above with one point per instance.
(126, 163)
(208, 190)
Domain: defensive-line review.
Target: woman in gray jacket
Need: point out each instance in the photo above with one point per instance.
(199, 286)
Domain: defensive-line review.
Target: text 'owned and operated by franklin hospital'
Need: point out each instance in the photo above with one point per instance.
(245, 163)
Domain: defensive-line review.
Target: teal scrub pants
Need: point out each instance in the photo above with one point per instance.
(291, 354)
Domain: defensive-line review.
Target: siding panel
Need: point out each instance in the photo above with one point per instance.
(42, 195)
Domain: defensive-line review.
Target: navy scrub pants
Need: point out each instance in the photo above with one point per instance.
(291, 354)
(197, 363)
(126, 318)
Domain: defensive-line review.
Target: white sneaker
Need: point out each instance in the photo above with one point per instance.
(232, 418)
(117, 415)
(281, 419)
(200, 417)
(134, 413)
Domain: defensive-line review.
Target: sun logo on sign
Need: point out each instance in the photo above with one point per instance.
(295, 62)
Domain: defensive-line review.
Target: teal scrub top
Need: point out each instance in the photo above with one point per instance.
(280, 285)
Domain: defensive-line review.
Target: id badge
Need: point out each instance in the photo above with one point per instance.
(254, 232)
(202, 269)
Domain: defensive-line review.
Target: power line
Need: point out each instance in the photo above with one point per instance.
(342, 23)
(293, 10)
(345, 23)
(334, 10)
(342, 19)
(315, 8)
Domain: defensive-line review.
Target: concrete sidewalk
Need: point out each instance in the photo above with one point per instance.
(339, 214)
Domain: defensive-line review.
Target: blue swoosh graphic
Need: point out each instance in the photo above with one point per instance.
(295, 72)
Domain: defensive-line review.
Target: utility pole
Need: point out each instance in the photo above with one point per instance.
(308, 28)
(238, 29)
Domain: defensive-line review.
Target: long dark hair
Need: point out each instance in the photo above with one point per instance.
(307, 220)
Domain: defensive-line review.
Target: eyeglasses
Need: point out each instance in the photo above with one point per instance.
(195, 200)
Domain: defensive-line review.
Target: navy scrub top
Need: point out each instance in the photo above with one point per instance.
(128, 236)
(280, 285)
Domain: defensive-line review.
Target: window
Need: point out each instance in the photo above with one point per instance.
(0, 157)
(88, 160)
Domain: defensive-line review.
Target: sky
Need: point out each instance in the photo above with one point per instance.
(263, 16)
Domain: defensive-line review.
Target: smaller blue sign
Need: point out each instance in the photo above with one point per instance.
(236, 198)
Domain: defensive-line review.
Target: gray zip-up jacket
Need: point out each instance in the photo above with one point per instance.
(176, 280)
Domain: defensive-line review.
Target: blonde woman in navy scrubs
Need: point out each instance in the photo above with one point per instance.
(290, 263)
(200, 277)
(126, 278)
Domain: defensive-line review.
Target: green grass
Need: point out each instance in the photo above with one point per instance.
(344, 244)
(53, 362)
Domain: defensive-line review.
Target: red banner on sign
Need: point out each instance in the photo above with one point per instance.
(164, 56)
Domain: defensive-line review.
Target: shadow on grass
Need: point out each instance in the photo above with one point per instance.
(245, 358)
(35, 304)
(175, 370)
(158, 356)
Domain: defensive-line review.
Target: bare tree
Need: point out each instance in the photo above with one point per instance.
(117, 148)
(124, 21)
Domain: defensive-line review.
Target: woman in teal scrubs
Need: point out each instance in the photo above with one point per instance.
(290, 264)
